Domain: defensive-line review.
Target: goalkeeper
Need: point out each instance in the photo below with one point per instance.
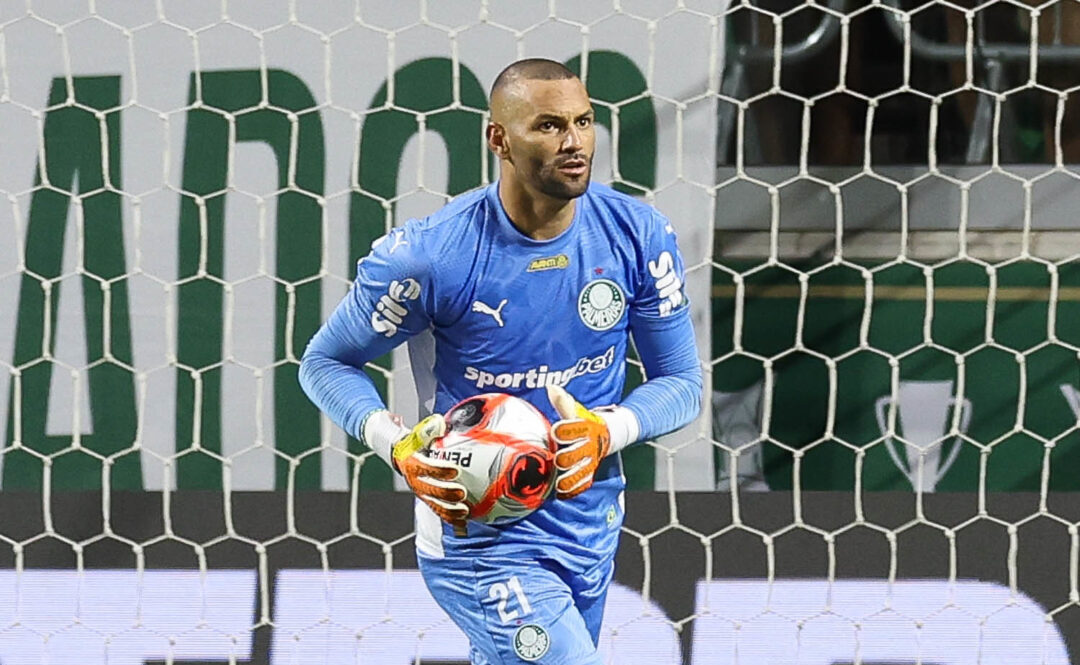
(531, 286)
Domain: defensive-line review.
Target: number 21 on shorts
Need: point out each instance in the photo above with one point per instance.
(501, 592)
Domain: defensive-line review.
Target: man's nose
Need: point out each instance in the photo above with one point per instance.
(572, 140)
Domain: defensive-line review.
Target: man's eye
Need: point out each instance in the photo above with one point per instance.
(584, 122)
(547, 126)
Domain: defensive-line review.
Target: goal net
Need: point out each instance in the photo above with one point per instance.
(876, 203)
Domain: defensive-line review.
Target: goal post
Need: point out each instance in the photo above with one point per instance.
(876, 206)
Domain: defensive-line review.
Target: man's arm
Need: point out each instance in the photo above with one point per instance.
(383, 308)
(663, 335)
(338, 385)
(669, 398)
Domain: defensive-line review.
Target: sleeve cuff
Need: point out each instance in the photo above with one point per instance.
(380, 431)
(623, 427)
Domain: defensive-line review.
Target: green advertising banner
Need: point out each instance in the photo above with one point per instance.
(981, 384)
(185, 206)
(181, 225)
(986, 383)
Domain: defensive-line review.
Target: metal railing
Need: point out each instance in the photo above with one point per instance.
(741, 55)
(990, 61)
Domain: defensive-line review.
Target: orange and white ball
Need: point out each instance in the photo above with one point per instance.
(507, 461)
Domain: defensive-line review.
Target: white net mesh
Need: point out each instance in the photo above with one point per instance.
(876, 203)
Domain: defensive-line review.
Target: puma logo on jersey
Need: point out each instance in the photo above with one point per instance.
(668, 283)
(484, 308)
(399, 240)
(398, 236)
(390, 310)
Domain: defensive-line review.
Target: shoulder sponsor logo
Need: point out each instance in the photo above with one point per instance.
(531, 642)
(390, 310)
(601, 304)
(538, 377)
(668, 284)
(557, 262)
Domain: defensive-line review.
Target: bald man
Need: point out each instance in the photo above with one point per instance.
(573, 270)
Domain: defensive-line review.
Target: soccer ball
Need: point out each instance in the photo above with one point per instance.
(507, 461)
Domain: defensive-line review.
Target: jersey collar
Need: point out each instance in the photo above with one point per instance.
(514, 236)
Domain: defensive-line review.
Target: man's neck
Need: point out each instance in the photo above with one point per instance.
(537, 215)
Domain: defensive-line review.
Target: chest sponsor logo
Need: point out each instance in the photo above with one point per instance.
(601, 304)
(493, 312)
(538, 377)
(390, 310)
(668, 284)
(557, 262)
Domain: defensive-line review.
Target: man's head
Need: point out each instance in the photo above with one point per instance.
(542, 128)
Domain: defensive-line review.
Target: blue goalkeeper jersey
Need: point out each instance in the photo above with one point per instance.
(485, 308)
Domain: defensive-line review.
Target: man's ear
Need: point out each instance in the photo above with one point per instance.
(496, 140)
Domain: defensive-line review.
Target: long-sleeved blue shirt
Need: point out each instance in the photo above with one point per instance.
(485, 308)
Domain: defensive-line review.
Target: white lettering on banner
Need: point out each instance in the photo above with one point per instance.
(538, 377)
(120, 617)
(668, 284)
(815, 622)
(341, 616)
(1072, 396)
(153, 60)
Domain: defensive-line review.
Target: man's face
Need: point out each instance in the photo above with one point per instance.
(550, 136)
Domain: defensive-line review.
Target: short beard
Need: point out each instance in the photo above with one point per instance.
(557, 188)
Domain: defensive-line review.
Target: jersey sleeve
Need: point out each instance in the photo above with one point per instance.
(388, 302)
(663, 335)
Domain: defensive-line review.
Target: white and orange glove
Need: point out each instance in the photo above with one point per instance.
(584, 438)
(433, 481)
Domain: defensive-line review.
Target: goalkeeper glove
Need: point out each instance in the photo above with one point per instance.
(583, 440)
(432, 480)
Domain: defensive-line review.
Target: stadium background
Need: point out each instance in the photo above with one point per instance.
(188, 188)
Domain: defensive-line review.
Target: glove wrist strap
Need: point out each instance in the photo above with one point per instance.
(380, 432)
(622, 426)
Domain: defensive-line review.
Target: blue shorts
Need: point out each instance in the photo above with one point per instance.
(521, 611)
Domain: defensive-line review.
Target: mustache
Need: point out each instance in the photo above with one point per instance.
(580, 157)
